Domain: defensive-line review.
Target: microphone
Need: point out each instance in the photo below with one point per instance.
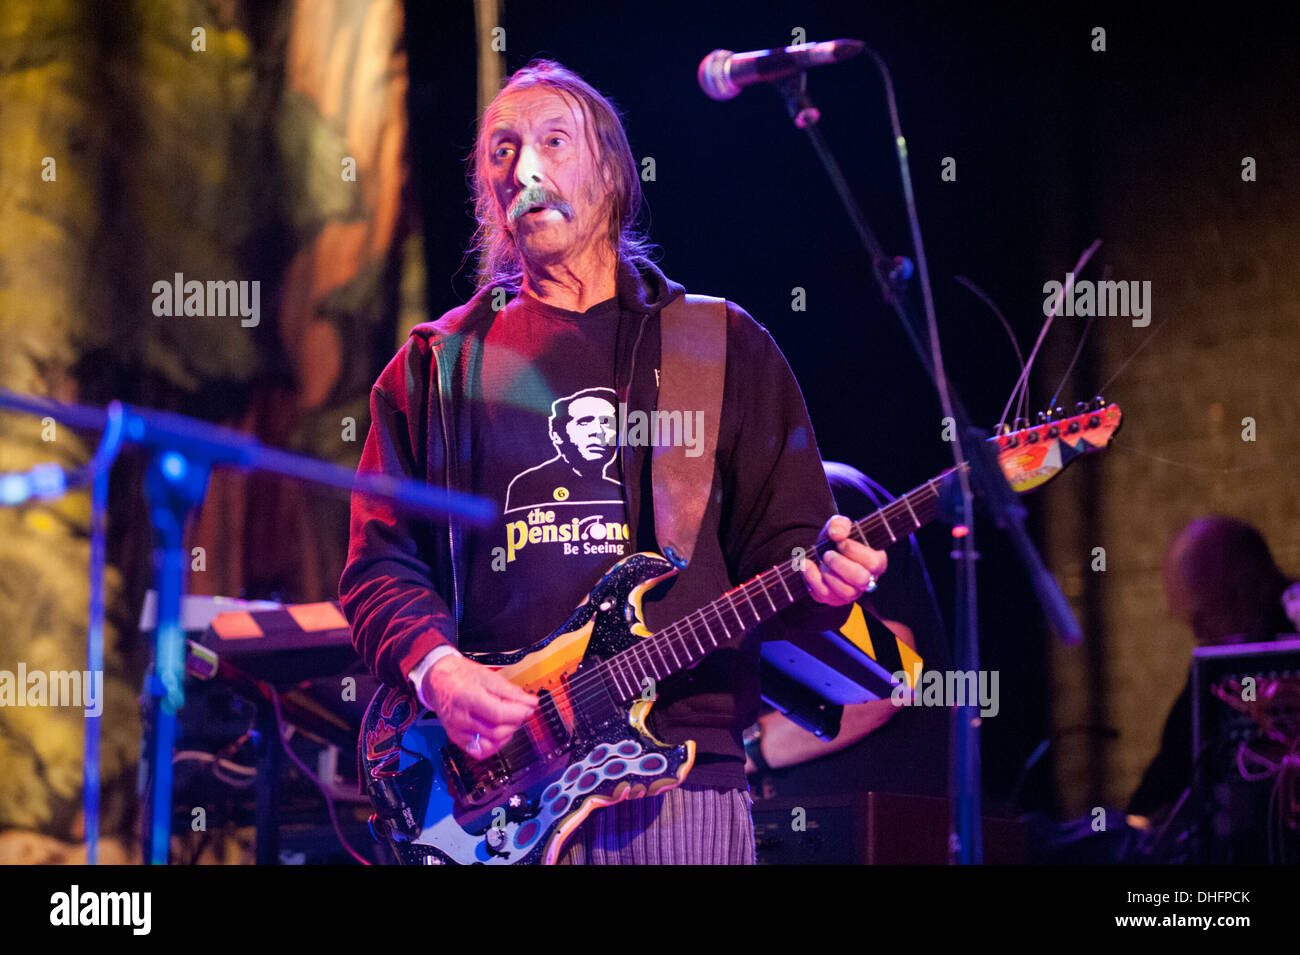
(723, 74)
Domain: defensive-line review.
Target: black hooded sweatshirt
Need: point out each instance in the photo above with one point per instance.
(498, 402)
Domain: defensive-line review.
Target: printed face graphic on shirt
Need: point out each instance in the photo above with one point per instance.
(584, 431)
(586, 439)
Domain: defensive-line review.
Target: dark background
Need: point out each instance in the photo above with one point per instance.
(1040, 126)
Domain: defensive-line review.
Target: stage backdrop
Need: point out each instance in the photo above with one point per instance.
(166, 141)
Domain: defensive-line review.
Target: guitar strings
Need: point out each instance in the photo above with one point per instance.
(589, 685)
(683, 626)
(583, 690)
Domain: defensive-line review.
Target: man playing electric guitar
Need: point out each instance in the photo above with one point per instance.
(522, 401)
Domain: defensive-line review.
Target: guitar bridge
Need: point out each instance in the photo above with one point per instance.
(474, 783)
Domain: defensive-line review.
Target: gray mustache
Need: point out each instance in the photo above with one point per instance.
(538, 196)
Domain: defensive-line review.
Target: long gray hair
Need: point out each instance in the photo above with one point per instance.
(499, 262)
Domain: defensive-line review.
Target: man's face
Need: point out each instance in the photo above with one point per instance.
(543, 175)
(590, 428)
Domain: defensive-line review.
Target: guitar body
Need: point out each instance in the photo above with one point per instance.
(586, 747)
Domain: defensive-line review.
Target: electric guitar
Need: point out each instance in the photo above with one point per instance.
(587, 744)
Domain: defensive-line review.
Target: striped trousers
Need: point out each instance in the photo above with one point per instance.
(679, 827)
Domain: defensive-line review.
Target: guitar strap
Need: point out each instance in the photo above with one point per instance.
(693, 363)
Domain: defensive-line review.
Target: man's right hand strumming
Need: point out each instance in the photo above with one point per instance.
(478, 708)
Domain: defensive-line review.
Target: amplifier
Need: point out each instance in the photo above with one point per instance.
(1246, 671)
(872, 829)
(1245, 801)
(284, 644)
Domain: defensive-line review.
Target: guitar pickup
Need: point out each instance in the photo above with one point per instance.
(552, 719)
(451, 769)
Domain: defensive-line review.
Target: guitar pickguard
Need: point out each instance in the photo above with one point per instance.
(530, 818)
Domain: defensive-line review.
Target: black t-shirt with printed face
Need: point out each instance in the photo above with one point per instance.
(539, 384)
(545, 449)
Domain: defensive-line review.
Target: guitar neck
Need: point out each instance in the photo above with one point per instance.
(1028, 458)
(690, 639)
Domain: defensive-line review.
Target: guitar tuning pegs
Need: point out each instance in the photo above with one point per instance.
(1058, 413)
(1020, 424)
(1044, 417)
(1098, 403)
(1081, 407)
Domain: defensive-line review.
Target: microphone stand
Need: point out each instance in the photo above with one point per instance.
(182, 454)
(965, 839)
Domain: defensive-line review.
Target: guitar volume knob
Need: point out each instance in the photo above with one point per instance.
(496, 839)
(519, 807)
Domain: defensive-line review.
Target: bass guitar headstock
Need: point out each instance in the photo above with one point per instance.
(1031, 455)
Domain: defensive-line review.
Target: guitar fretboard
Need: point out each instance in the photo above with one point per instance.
(690, 639)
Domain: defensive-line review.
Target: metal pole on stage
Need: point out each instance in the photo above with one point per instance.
(891, 274)
(183, 452)
(175, 486)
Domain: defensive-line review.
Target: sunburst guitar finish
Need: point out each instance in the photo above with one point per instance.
(583, 748)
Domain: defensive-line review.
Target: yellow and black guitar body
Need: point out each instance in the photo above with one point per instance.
(586, 746)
